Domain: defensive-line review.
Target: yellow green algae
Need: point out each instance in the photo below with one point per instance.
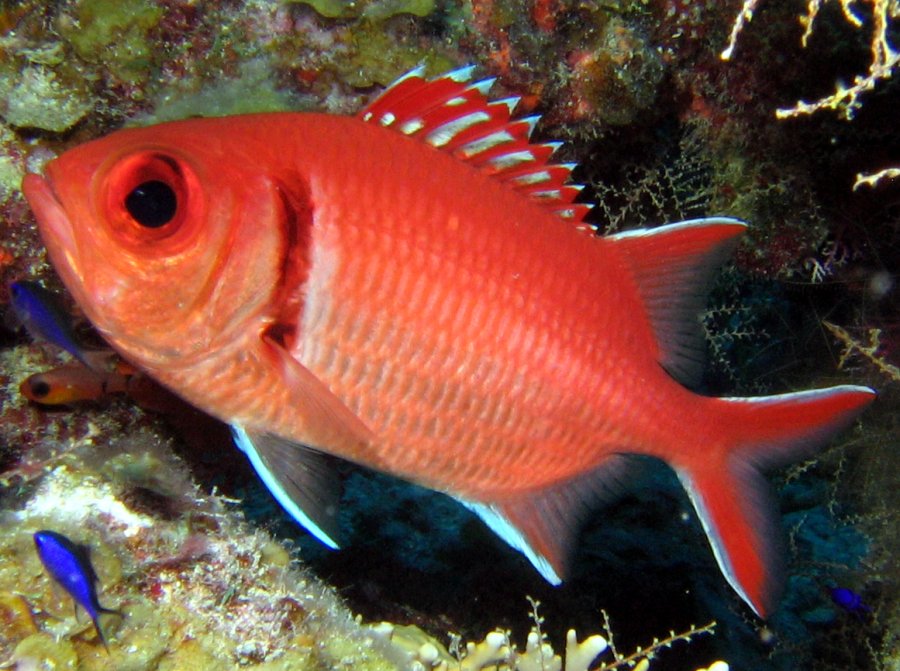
(369, 9)
(40, 96)
(199, 588)
(253, 90)
(113, 32)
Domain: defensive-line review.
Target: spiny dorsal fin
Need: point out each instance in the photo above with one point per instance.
(456, 116)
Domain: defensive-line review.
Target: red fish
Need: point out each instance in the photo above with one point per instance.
(413, 289)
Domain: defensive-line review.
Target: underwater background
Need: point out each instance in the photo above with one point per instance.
(209, 571)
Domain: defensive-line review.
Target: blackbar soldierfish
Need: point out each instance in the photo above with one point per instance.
(413, 289)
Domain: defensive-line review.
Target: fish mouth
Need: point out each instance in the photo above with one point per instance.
(53, 222)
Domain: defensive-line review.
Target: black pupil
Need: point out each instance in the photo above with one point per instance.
(152, 204)
(40, 388)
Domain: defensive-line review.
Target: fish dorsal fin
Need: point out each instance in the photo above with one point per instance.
(454, 115)
(674, 267)
(301, 479)
(543, 525)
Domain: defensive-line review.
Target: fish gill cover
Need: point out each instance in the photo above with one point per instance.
(663, 130)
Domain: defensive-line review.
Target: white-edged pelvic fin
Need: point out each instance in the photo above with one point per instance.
(299, 478)
(511, 535)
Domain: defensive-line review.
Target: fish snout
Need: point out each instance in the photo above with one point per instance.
(53, 222)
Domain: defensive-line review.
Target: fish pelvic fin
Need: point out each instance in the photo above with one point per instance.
(543, 524)
(730, 494)
(301, 479)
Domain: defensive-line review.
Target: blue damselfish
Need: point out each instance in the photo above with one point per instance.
(69, 565)
(42, 315)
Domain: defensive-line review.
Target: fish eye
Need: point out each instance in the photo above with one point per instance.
(39, 388)
(152, 203)
(149, 196)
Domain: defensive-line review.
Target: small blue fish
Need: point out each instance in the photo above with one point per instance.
(68, 564)
(849, 601)
(42, 315)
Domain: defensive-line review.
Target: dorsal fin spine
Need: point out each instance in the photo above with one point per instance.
(454, 115)
(462, 74)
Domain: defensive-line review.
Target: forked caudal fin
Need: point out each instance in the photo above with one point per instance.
(731, 496)
(729, 492)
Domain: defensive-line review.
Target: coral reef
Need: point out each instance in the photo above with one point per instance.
(199, 589)
(663, 129)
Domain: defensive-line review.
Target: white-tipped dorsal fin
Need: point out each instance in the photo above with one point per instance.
(674, 267)
(454, 115)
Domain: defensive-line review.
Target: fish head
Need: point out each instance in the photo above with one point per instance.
(167, 237)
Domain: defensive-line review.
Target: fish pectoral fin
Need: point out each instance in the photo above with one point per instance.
(301, 479)
(543, 524)
(328, 422)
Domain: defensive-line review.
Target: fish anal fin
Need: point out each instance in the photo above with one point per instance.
(328, 423)
(674, 267)
(301, 479)
(543, 524)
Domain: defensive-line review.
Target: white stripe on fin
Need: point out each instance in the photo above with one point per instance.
(510, 534)
(511, 159)
(484, 143)
(443, 134)
(532, 178)
(316, 487)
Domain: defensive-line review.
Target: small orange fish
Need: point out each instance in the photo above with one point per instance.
(72, 383)
(413, 289)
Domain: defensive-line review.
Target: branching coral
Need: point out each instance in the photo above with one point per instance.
(418, 651)
(846, 100)
(885, 58)
(870, 350)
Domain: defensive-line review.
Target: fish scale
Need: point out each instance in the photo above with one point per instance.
(413, 289)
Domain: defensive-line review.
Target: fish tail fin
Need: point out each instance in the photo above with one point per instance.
(96, 619)
(730, 494)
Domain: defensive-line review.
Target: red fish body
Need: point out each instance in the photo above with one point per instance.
(412, 289)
